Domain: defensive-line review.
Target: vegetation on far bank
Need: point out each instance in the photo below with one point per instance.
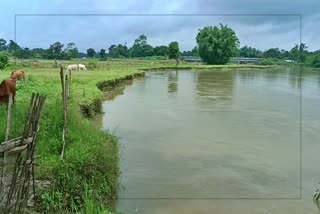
(214, 45)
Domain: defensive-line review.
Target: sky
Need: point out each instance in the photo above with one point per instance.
(257, 23)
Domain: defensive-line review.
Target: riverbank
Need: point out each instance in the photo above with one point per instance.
(88, 175)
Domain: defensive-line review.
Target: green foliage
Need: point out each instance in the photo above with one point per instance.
(4, 60)
(272, 53)
(12, 46)
(195, 51)
(217, 44)
(92, 64)
(91, 52)
(299, 53)
(3, 45)
(313, 61)
(72, 50)
(246, 51)
(174, 52)
(141, 48)
(56, 51)
(161, 50)
(267, 61)
(118, 51)
(102, 54)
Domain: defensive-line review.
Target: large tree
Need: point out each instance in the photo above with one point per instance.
(55, 51)
(217, 44)
(91, 52)
(12, 46)
(141, 48)
(299, 53)
(102, 53)
(161, 50)
(118, 51)
(72, 50)
(174, 52)
(247, 51)
(272, 53)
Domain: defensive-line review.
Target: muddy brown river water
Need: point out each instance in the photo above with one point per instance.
(218, 141)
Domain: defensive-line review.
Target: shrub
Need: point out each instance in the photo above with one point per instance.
(267, 61)
(4, 60)
(92, 64)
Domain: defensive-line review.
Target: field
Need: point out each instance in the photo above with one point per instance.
(87, 176)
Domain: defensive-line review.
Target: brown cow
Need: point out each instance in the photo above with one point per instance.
(20, 74)
(8, 87)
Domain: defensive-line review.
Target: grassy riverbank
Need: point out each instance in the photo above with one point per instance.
(87, 176)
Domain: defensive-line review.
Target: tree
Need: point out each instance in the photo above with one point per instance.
(91, 52)
(118, 51)
(217, 44)
(12, 46)
(247, 51)
(161, 50)
(174, 52)
(299, 53)
(272, 53)
(141, 48)
(102, 53)
(72, 50)
(55, 51)
(22, 53)
(38, 53)
(3, 45)
(195, 51)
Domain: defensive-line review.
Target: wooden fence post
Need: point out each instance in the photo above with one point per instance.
(65, 84)
(8, 118)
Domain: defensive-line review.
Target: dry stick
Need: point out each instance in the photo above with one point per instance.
(8, 117)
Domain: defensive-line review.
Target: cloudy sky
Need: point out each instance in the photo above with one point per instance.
(260, 31)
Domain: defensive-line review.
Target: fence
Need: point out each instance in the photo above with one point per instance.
(18, 163)
(66, 88)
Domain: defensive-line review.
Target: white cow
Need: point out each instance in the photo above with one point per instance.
(72, 67)
(82, 67)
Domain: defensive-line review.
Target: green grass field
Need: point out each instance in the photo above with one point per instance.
(88, 174)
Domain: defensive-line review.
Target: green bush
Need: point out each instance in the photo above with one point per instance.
(267, 61)
(92, 64)
(4, 59)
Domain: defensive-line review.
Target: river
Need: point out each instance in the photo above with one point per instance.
(218, 141)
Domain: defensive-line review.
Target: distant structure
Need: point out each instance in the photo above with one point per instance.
(289, 60)
(245, 60)
(191, 59)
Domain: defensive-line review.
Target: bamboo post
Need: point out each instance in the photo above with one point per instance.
(69, 86)
(8, 118)
(65, 106)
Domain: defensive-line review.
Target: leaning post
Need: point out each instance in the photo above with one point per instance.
(8, 118)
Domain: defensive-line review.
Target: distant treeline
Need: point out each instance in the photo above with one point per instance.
(215, 45)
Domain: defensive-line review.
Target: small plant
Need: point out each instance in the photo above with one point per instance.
(51, 201)
(92, 64)
(4, 59)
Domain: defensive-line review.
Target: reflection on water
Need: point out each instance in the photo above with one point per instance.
(173, 81)
(228, 136)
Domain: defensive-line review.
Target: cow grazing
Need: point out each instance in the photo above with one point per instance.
(72, 67)
(82, 67)
(8, 87)
(18, 74)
